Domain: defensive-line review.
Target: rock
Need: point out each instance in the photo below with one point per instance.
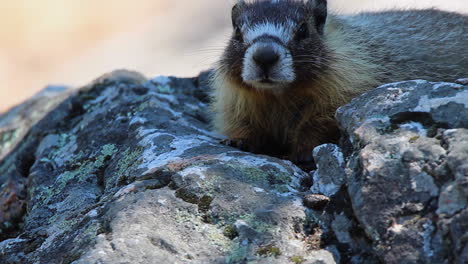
(407, 176)
(12, 206)
(127, 170)
(330, 174)
(16, 123)
(316, 201)
(463, 81)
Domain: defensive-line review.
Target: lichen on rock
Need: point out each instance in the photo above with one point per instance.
(127, 170)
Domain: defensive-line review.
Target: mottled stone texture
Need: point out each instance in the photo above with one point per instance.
(408, 170)
(127, 170)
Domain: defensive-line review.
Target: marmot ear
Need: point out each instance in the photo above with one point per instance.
(319, 10)
(236, 10)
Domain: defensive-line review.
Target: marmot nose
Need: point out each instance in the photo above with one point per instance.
(266, 57)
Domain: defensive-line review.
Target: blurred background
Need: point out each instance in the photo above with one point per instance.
(73, 41)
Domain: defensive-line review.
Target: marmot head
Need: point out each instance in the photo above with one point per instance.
(276, 43)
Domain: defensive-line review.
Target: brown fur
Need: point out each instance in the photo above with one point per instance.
(292, 122)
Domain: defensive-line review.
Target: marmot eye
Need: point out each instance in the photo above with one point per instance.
(238, 33)
(302, 32)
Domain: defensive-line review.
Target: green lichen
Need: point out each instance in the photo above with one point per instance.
(297, 259)
(88, 167)
(269, 250)
(84, 171)
(217, 238)
(252, 175)
(182, 216)
(43, 195)
(262, 227)
(263, 177)
(128, 160)
(60, 222)
(63, 179)
(209, 185)
(413, 139)
(108, 150)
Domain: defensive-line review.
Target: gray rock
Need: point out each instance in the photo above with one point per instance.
(407, 171)
(16, 123)
(330, 174)
(127, 170)
(341, 226)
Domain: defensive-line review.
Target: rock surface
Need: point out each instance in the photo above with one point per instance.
(408, 171)
(127, 171)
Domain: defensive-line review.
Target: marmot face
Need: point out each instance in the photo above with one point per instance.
(276, 43)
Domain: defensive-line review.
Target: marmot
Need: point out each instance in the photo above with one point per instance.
(289, 65)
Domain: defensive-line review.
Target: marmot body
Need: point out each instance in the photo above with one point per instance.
(289, 65)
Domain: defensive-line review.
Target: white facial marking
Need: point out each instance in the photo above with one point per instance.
(280, 31)
(280, 74)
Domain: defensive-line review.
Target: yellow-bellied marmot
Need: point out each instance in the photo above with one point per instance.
(289, 65)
